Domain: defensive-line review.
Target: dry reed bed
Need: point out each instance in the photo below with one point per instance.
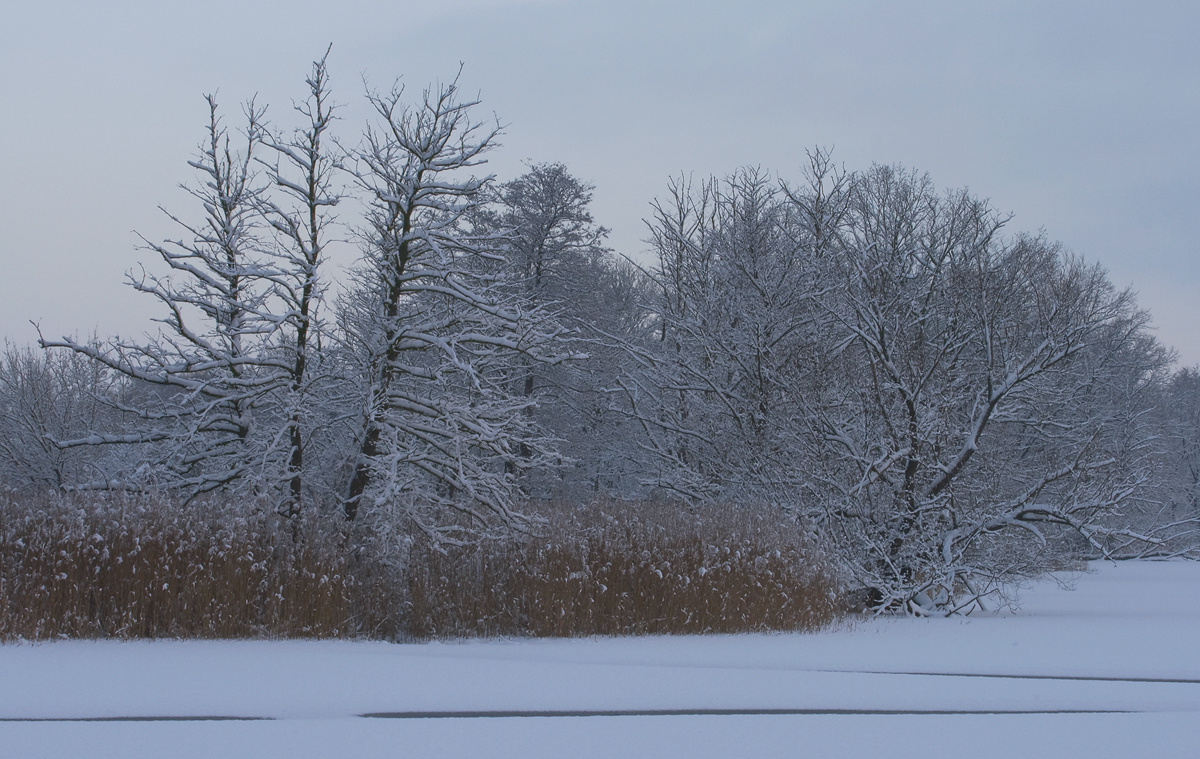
(624, 569)
(126, 567)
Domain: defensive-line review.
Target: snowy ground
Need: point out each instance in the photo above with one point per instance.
(1111, 669)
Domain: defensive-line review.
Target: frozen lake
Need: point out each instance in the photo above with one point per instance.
(1110, 669)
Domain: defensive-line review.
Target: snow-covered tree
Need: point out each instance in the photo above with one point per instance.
(970, 422)
(557, 262)
(53, 396)
(552, 243)
(210, 366)
(948, 407)
(1172, 514)
(439, 336)
(716, 386)
(304, 177)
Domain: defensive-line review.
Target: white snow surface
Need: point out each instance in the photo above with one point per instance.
(1130, 630)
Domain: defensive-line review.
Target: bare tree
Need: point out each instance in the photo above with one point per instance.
(553, 243)
(557, 262)
(439, 337)
(303, 174)
(1172, 513)
(53, 396)
(715, 389)
(210, 362)
(969, 401)
(949, 408)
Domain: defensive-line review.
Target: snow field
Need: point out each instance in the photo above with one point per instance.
(1110, 669)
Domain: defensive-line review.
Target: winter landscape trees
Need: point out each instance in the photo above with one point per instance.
(937, 403)
(204, 378)
(304, 176)
(983, 368)
(441, 343)
(946, 406)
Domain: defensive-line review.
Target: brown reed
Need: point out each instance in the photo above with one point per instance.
(143, 567)
(139, 567)
(625, 569)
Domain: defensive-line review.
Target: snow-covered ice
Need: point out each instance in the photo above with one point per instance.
(1110, 669)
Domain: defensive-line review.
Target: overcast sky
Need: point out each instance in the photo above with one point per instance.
(1080, 118)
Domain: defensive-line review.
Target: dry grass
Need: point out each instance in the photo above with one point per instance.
(616, 569)
(142, 568)
(126, 567)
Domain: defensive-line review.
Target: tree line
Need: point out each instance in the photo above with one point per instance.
(941, 403)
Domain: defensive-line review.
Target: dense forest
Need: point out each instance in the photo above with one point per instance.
(933, 402)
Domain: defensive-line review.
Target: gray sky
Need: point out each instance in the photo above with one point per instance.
(1078, 117)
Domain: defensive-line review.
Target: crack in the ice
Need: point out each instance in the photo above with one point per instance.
(140, 718)
(723, 713)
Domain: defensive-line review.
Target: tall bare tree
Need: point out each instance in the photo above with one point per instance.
(439, 337)
(969, 405)
(304, 175)
(210, 362)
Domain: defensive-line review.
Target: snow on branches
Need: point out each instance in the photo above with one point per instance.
(944, 405)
